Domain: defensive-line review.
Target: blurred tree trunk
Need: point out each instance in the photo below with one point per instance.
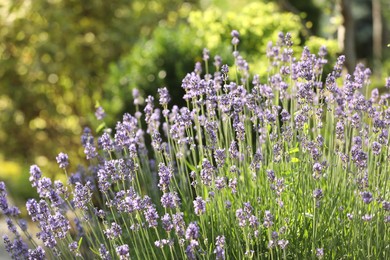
(377, 35)
(349, 35)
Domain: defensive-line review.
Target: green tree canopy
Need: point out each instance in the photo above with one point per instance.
(54, 58)
(176, 46)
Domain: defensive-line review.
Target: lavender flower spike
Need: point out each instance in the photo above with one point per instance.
(123, 252)
(62, 160)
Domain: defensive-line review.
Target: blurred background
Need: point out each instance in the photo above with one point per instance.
(59, 59)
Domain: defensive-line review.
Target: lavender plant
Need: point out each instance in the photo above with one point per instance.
(295, 167)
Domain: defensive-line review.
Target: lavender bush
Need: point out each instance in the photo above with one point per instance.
(296, 167)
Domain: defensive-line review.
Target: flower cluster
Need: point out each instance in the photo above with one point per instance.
(293, 164)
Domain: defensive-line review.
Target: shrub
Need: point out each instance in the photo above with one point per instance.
(176, 45)
(291, 168)
(54, 58)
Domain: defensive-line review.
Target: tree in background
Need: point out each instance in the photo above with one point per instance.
(362, 27)
(177, 45)
(54, 60)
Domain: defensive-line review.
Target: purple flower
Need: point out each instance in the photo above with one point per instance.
(233, 150)
(4, 205)
(220, 156)
(253, 221)
(137, 98)
(3, 190)
(170, 200)
(123, 252)
(161, 243)
(386, 205)
(220, 182)
(103, 180)
(241, 217)
(11, 226)
(387, 84)
(60, 189)
(366, 196)
(151, 216)
(90, 151)
(8, 244)
(36, 254)
(359, 157)
(217, 61)
(317, 194)
(383, 136)
(206, 54)
(337, 69)
(235, 36)
(164, 96)
(55, 199)
(285, 115)
(258, 158)
(18, 249)
(271, 244)
(376, 148)
(82, 195)
(3, 199)
(228, 204)
(156, 141)
(58, 225)
(317, 167)
(235, 33)
(62, 160)
(190, 250)
(271, 175)
(48, 239)
(104, 253)
(240, 130)
(86, 137)
(233, 185)
(165, 174)
(44, 186)
(367, 218)
(200, 206)
(207, 172)
(99, 113)
(166, 222)
(12, 211)
(23, 224)
(73, 246)
(35, 175)
(79, 227)
(192, 232)
(220, 247)
(268, 219)
(283, 244)
(33, 209)
(248, 208)
(340, 130)
(225, 70)
(300, 120)
(113, 232)
(320, 253)
(178, 223)
(105, 142)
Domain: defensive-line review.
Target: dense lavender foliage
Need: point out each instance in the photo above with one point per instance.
(295, 167)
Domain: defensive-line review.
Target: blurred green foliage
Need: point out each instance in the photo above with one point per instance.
(177, 45)
(54, 58)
